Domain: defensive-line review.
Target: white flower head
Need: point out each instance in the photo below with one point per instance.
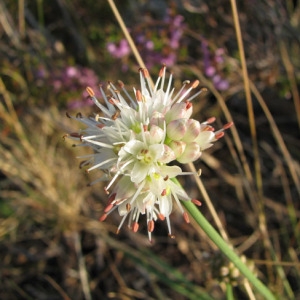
(136, 138)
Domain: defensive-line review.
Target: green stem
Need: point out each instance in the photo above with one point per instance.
(229, 292)
(226, 249)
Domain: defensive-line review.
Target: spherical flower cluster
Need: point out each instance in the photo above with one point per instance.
(134, 141)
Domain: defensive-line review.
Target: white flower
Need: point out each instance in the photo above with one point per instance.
(135, 139)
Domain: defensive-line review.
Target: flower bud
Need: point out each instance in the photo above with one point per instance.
(204, 139)
(178, 147)
(180, 110)
(157, 119)
(168, 155)
(176, 129)
(192, 131)
(191, 153)
(156, 134)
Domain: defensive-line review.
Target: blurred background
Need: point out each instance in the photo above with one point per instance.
(52, 245)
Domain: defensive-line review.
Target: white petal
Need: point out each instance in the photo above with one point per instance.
(170, 171)
(156, 151)
(124, 189)
(133, 147)
(165, 205)
(204, 137)
(156, 134)
(178, 190)
(139, 172)
(122, 208)
(190, 154)
(168, 155)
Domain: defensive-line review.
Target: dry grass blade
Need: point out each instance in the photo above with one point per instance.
(292, 79)
(127, 35)
(278, 137)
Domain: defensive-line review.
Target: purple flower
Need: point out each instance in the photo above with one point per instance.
(219, 83)
(212, 64)
(210, 71)
(118, 50)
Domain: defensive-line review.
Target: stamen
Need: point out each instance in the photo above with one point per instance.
(184, 94)
(101, 164)
(109, 106)
(161, 217)
(219, 135)
(130, 218)
(102, 107)
(136, 215)
(188, 105)
(113, 101)
(196, 202)
(162, 71)
(137, 192)
(143, 133)
(103, 217)
(142, 81)
(90, 92)
(84, 163)
(121, 84)
(198, 173)
(208, 128)
(195, 84)
(168, 89)
(108, 208)
(163, 77)
(197, 94)
(121, 223)
(169, 225)
(97, 143)
(186, 217)
(135, 226)
(145, 73)
(112, 89)
(138, 95)
(150, 226)
(118, 173)
(210, 120)
(148, 80)
(133, 103)
(112, 197)
(116, 115)
(178, 203)
(76, 135)
(157, 83)
(228, 125)
(180, 91)
(100, 179)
